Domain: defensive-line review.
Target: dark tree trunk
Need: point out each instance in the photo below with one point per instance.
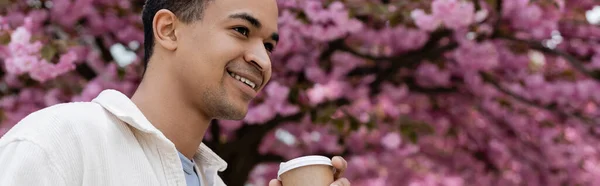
(241, 154)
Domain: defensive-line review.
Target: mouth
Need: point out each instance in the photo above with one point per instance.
(243, 80)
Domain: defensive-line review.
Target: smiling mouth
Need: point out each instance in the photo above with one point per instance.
(243, 80)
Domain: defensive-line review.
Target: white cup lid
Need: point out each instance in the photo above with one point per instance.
(302, 161)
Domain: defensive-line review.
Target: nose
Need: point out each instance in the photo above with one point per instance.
(258, 56)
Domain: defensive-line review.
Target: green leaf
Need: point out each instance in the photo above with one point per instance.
(492, 3)
(294, 95)
(313, 116)
(338, 123)
(452, 131)
(2, 115)
(121, 73)
(5, 39)
(414, 129)
(48, 52)
(371, 124)
(547, 124)
(410, 133)
(325, 114)
(354, 124)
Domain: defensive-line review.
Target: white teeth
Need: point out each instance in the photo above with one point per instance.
(243, 80)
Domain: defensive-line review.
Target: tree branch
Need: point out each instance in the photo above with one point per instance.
(215, 132)
(477, 5)
(407, 60)
(434, 38)
(499, 9)
(269, 158)
(243, 152)
(412, 86)
(573, 61)
(411, 60)
(552, 108)
(86, 71)
(512, 132)
(104, 51)
(340, 45)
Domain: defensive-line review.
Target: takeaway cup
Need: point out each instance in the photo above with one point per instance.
(306, 171)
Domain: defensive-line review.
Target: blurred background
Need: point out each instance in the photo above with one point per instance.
(415, 93)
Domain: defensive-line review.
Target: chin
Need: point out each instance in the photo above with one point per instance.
(232, 117)
(233, 113)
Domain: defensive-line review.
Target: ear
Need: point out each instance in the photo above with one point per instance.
(164, 25)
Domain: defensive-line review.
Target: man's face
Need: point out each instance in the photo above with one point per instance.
(223, 60)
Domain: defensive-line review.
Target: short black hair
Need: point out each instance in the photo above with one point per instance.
(185, 10)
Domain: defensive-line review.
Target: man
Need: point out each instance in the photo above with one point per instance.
(205, 60)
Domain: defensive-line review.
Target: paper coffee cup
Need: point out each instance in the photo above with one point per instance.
(306, 171)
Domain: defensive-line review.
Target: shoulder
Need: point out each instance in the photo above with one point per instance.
(58, 136)
(66, 120)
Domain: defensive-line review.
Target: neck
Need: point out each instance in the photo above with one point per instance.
(161, 101)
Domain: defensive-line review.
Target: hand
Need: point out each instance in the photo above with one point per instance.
(339, 164)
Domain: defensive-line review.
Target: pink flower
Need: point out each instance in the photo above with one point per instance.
(429, 75)
(595, 62)
(230, 125)
(344, 63)
(290, 40)
(477, 56)
(4, 24)
(130, 33)
(395, 93)
(45, 71)
(330, 91)
(20, 44)
(8, 102)
(91, 90)
(277, 99)
(277, 91)
(263, 173)
(260, 114)
(53, 97)
(20, 36)
(331, 23)
(389, 107)
(317, 94)
(391, 141)
(21, 64)
(424, 21)
(454, 14)
(296, 63)
(316, 74)
(23, 56)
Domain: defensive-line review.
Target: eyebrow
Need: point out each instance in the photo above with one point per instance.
(245, 16)
(254, 22)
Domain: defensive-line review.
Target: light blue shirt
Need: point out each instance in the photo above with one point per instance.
(191, 177)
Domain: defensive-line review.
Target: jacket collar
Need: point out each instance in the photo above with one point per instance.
(123, 108)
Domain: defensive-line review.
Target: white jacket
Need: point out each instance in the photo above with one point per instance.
(104, 142)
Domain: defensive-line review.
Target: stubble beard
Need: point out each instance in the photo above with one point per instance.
(220, 107)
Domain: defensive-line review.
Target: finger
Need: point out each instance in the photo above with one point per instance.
(274, 182)
(340, 165)
(341, 182)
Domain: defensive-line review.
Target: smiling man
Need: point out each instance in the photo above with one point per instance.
(205, 60)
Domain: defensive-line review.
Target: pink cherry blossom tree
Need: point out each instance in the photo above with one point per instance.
(434, 92)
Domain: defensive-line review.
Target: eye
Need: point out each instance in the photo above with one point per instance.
(269, 47)
(242, 30)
